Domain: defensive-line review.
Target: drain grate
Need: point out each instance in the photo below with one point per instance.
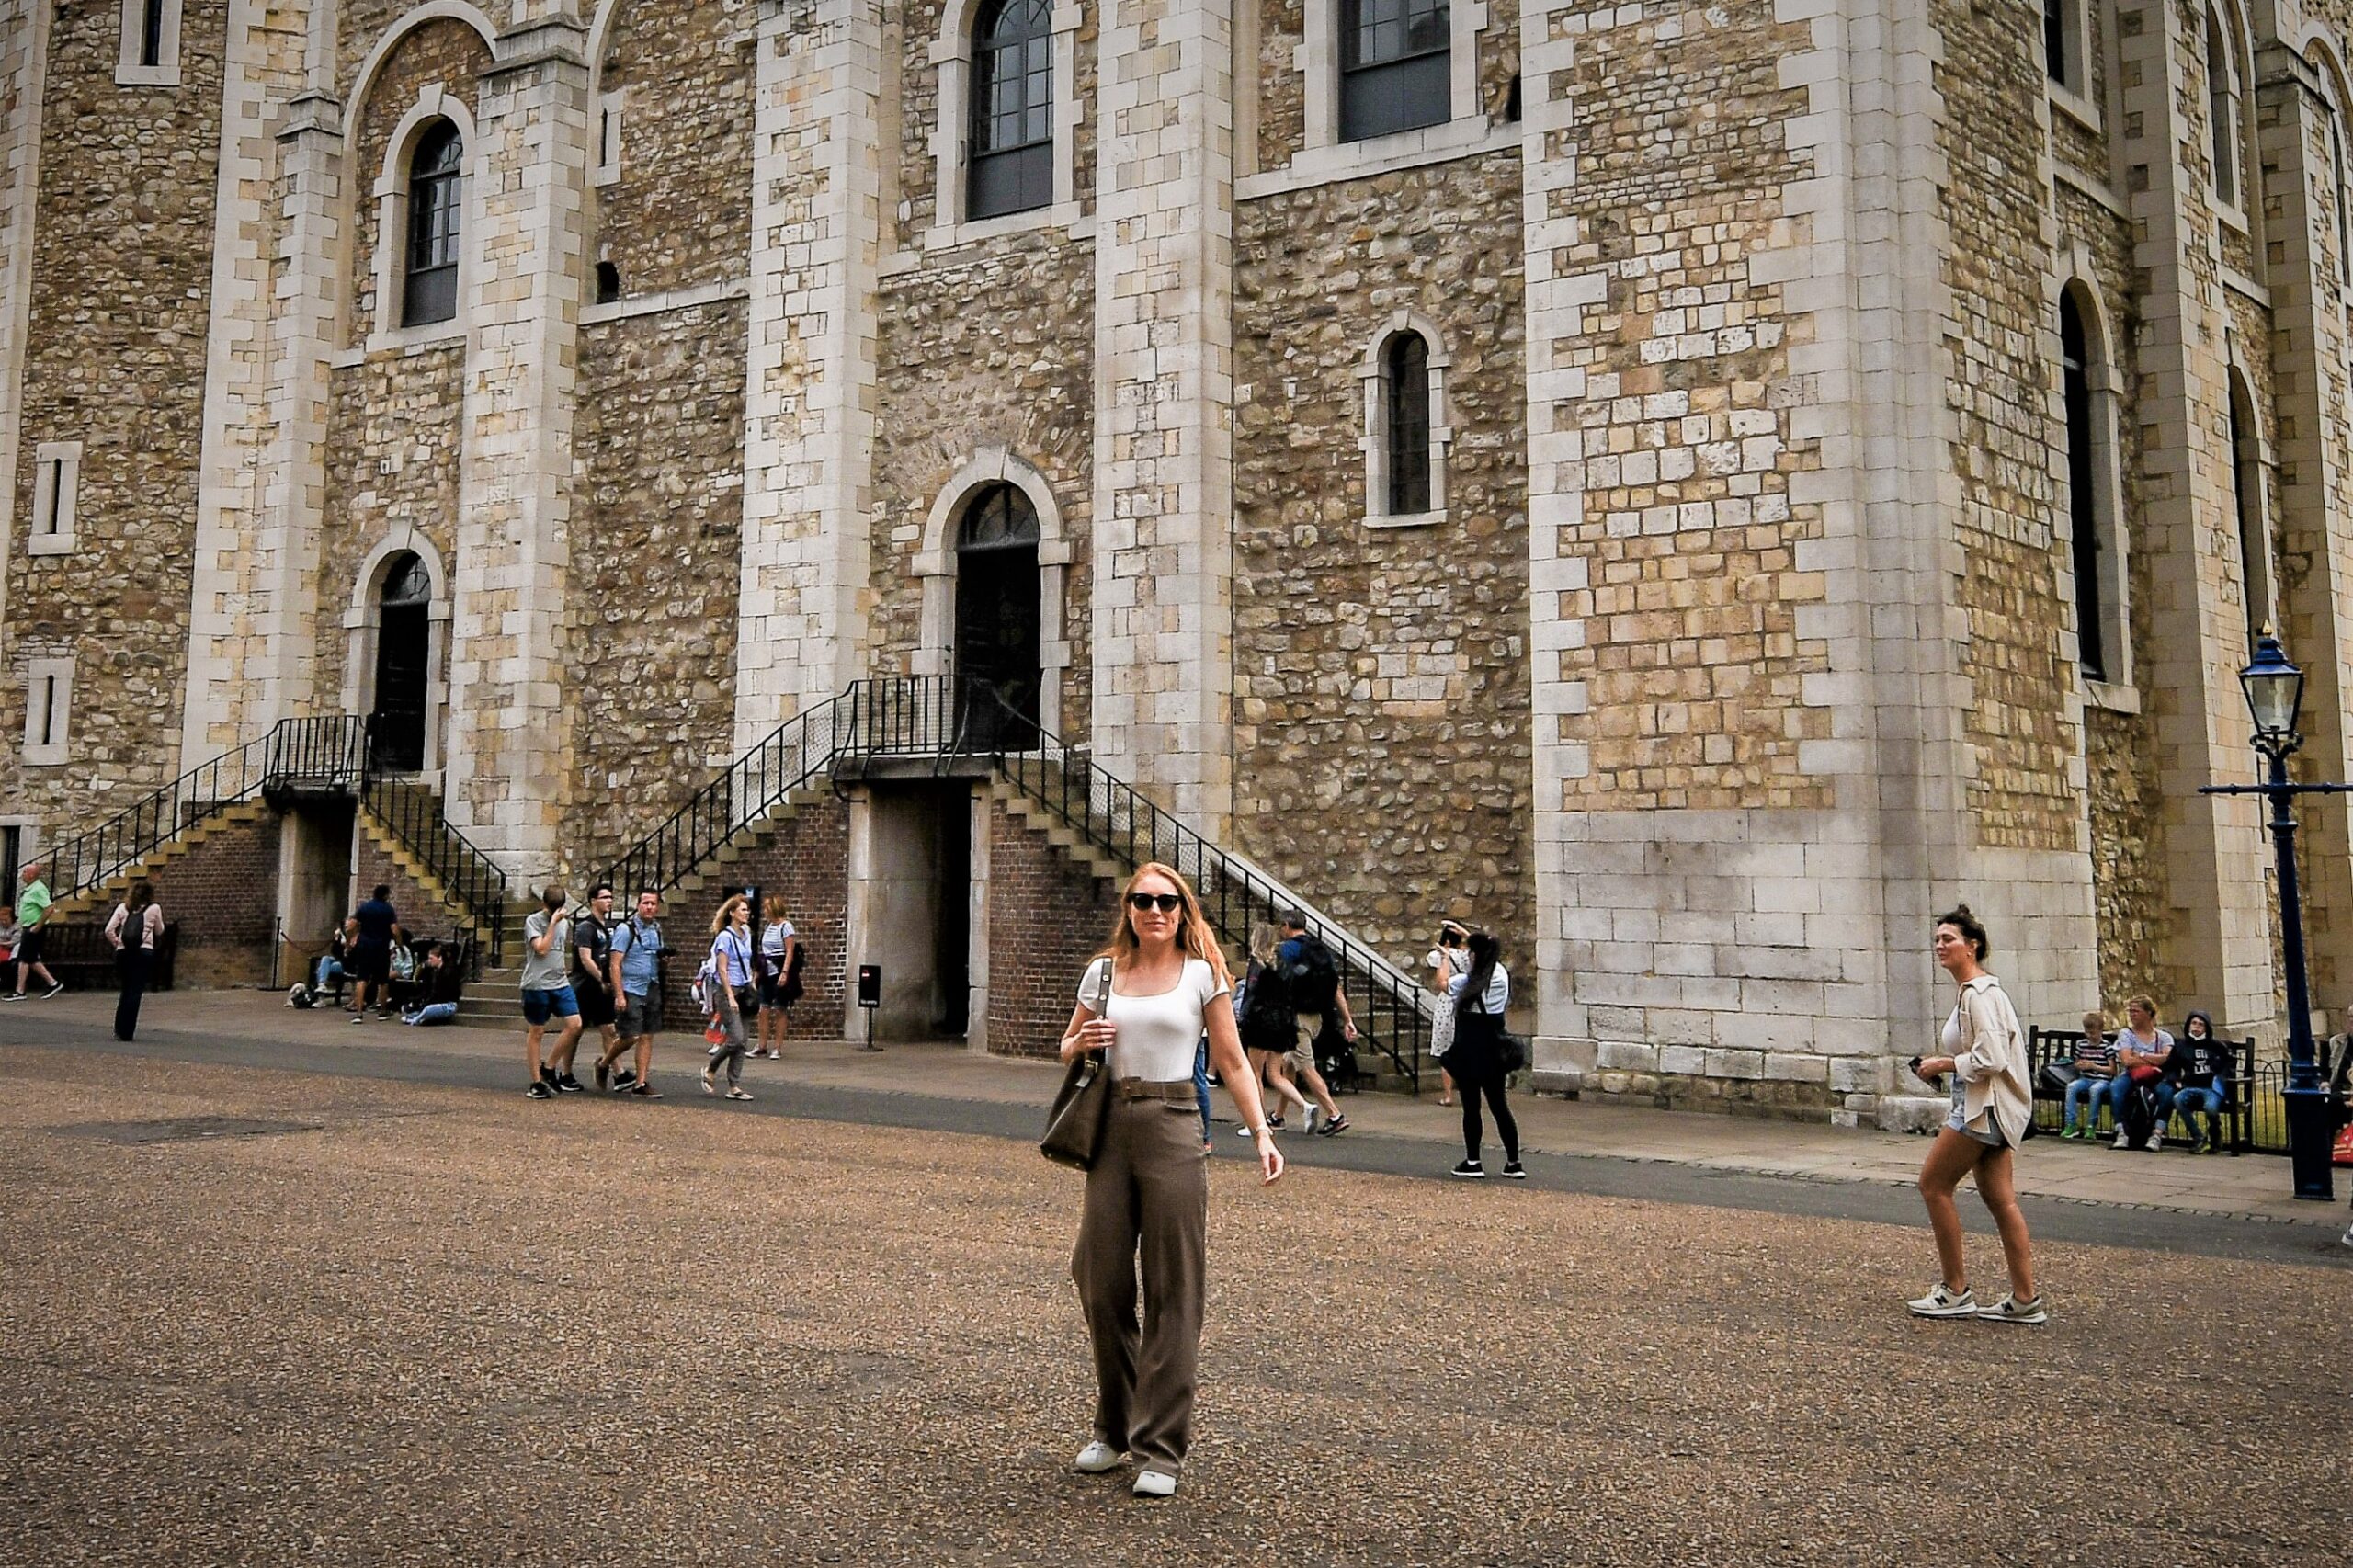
(184, 1129)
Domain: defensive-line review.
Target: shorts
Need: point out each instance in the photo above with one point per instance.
(1992, 1137)
(28, 950)
(770, 984)
(595, 1005)
(539, 1006)
(642, 1014)
(370, 963)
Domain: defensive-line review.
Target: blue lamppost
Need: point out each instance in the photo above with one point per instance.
(2275, 696)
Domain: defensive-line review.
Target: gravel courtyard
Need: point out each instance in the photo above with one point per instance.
(259, 1317)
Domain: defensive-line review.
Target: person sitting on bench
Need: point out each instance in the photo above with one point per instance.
(2094, 1066)
(2199, 1070)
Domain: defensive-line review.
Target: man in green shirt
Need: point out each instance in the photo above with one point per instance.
(32, 913)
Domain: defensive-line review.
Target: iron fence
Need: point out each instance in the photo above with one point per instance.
(414, 816)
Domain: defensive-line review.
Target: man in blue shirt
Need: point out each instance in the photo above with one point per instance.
(635, 958)
(370, 963)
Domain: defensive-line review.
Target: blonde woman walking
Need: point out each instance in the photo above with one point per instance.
(1145, 1002)
(727, 987)
(1984, 1052)
(779, 974)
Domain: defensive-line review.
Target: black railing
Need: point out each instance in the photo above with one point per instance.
(1391, 1012)
(794, 753)
(413, 814)
(904, 716)
(330, 752)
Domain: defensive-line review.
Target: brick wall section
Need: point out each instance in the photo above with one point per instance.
(1047, 916)
(806, 860)
(223, 897)
(121, 304)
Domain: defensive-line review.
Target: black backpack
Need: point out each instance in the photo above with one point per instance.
(1312, 978)
(2139, 1115)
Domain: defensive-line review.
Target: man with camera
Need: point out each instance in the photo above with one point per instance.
(635, 958)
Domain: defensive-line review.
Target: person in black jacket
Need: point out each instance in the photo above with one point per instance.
(2199, 1071)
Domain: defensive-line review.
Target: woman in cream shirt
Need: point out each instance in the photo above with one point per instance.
(1984, 1054)
(1145, 1002)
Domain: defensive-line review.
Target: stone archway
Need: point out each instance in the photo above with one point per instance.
(998, 643)
(404, 675)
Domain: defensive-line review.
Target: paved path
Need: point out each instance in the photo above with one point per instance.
(384, 1310)
(2219, 1205)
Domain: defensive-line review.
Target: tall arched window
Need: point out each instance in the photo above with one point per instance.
(1011, 155)
(430, 285)
(2246, 500)
(2333, 110)
(2083, 507)
(1405, 387)
(2221, 111)
(1394, 73)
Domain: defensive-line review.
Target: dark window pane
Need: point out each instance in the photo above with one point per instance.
(2054, 41)
(1381, 99)
(435, 196)
(150, 33)
(1406, 374)
(2082, 510)
(1011, 137)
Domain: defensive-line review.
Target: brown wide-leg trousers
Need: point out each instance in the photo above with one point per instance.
(1148, 1201)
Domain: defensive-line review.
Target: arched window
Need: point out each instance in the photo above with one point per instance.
(2333, 111)
(2246, 500)
(2083, 508)
(1011, 160)
(1394, 73)
(429, 291)
(1406, 388)
(2221, 111)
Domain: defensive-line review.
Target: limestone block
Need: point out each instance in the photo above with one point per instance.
(1628, 1056)
(1684, 1059)
(1796, 1068)
(1735, 1064)
(1912, 1113)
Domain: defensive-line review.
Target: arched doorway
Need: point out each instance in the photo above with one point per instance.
(996, 616)
(404, 645)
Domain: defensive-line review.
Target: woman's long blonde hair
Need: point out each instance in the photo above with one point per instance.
(726, 915)
(1264, 941)
(1194, 937)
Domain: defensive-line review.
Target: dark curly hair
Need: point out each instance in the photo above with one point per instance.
(1973, 930)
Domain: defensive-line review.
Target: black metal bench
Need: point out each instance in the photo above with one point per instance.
(2046, 1046)
(82, 958)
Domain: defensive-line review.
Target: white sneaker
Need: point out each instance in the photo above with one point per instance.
(2123, 1140)
(1156, 1483)
(1096, 1458)
(2157, 1140)
(1313, 1113)
(2009, 1309)
(1941, 1302)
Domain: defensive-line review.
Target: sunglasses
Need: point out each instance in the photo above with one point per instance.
(1166, 903)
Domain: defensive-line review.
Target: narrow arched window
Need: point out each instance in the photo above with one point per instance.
(2335, 115)
(150, 33)
(429, 291)
(1011, 151)
(2083, 505)
(2058, 49)
(2246, 499)
(1394, 73)
(2222, 112)
(1406, 388)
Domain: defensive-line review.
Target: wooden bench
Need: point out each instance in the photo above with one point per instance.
(2046, 1046)
(82, 958)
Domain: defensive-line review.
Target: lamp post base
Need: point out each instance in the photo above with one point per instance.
(2312, 1117)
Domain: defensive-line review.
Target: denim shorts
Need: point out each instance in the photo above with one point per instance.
(539, 1006)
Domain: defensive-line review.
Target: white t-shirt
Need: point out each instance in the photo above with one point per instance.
(1157, 1034)
(773, 938)
(1495, 1000)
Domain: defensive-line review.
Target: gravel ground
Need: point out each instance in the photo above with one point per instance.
(407, 1323)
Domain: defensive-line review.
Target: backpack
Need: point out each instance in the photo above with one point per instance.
(1263, 1016)
(2139, 1115)
(1312, 978)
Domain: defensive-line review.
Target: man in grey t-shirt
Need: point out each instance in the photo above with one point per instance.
(546, 993)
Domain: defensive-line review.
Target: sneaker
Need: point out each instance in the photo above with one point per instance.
(547, 1077)
(12, 996)
(2009, 1309)
(624, 1080)
(604, 1079)
(2197, 1142)
(1941, 1302)
(1245, 1132)
(2072, 1130)
(2123, 1140)
(1512, 1171)
(733, 1093)
(1096, 1458)
(570, 1085)
(1471, 1170)
(643, 1091)
(1338, 1125)
(1154, 1483)
(52, 991)
(2156, 1138)
(357, 1018)
(541, 1092)
(1313, 1113)
(1276, 1122)
(2349, 1236)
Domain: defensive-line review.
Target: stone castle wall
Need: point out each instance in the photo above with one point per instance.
(115, 359)
(680, 214)
(1380, 673)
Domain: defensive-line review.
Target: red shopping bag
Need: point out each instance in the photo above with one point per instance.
(2343, 1154)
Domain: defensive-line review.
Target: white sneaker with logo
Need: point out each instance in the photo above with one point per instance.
(1942, 1302)
(1096, 1458)
(2009, 1309)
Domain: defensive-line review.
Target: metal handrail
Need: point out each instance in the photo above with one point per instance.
(1391, 1010)
(413, 815)
(794, 752)
(325, 751)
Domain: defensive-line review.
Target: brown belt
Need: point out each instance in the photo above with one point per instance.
(1139, 1089)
